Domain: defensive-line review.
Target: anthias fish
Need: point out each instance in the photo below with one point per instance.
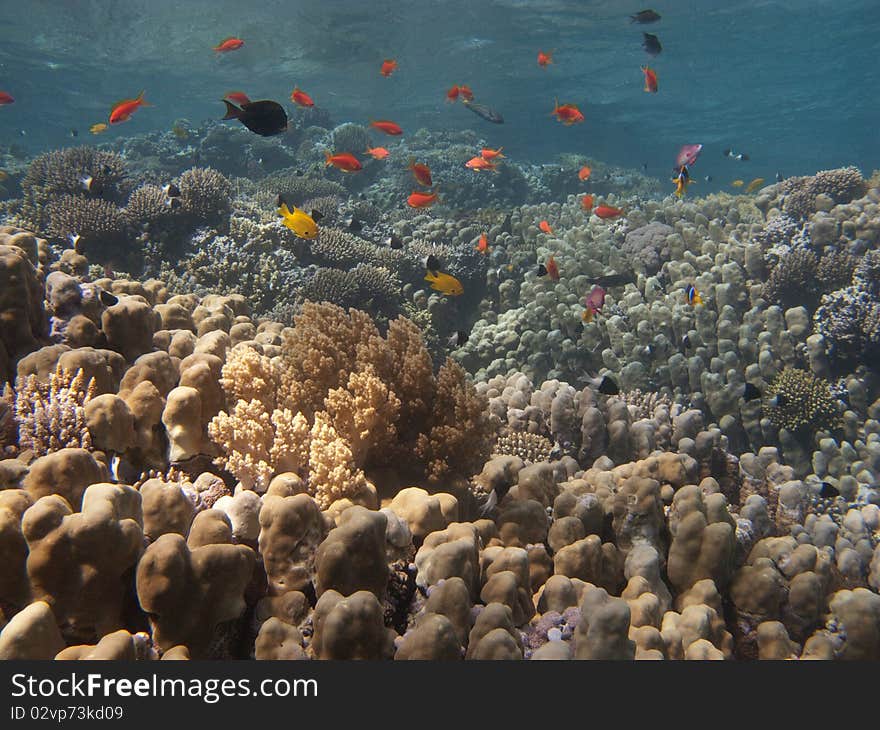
(229, 44)
(593, 305)
(298, 221)
(568, 114)
(490, 154)
(545, 227)
(383, 125)
(344, 161)
(688, 155)
(650, 79)
(421, 200)
(483, 245)
(754, 184)
(377, 153)
(584, 173)
(587, 203)
(480, 163)
(483, 111)
(544, 59)
(644, 16)
(301, 98)
(444, 283)
(122, 110)
(6, 98)
(265, 117)
(606, 211)
(421, 172)
(452, 93)
(651, 44)
(389, 66)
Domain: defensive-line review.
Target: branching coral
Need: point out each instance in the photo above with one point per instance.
(51, 416)
(205, 194)
(847, 320)
(799, 401)
(792, 278)
(530, 447)
(100, 223)
(841, 185)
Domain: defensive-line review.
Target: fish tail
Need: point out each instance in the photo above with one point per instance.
(140, 99)
(327, 161)
(232, 111)
(431, 276)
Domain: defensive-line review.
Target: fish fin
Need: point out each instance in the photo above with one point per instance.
(317, 215)
(431, 276)
(232, 111)
(284, 210)
(327, 162)
(140, 98)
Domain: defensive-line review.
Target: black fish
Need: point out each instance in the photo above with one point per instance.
(751, 392)
(353, 224)
(610, 280)
(828, 491)
(778, 177)
(317, 215)
(481, 110)
(708, 178)
(458, 339)
(74, 133)
(171, 190)
(261, 117)
(608, 386)
(542, 270)
(394, 241)
(651, 44)
(507, 226)
(173, 203)
(686, 342)
(645, 16)
(432, 263)
(779, 400)
(107, 299)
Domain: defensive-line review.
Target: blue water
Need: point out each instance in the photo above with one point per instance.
(792, 83)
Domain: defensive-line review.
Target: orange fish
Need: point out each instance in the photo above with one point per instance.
(650, 79)
(377, 153)
(479, 163)
(238, 97)
(545, 226)
(6, 98)
(421, 200)
(344, 161)
(568, 114)
(466, 92)
(230, 44)
(452, 94)
(551, 269)
(488, 154)
(587, 203)
(692, 296)
(606, 211)
(122, 110)
(421, 172)
(389, 66)
(297, 96)
(387, 127)
(584, 172)
(544, 59)
(483, 245)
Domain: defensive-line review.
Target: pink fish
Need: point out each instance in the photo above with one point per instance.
(594, 303)
(688, 155)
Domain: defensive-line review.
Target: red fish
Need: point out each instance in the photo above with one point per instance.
(238, 97)
(650, 79)
(452, 94)
(544, 59)
(230, 44)
(421, 200)
(377, 153)
(466, 92)
(545, 226)
(483, 245)
(606, 211)
(298, 96)
(479, 163)
(488, 154)
(568, 114)
(552, 268)
(587, 203)
(122, 110)
(421, 172)
(344, 161)
(584, 172)
(688, 155)
(389, 66)
(6, 98)
(387, 127)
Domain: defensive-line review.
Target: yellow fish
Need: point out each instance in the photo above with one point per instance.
(737, 183)
(300, 222)
(3, 175)
(98, 128)
(755, 184)
(179, 131)
(444, 283)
